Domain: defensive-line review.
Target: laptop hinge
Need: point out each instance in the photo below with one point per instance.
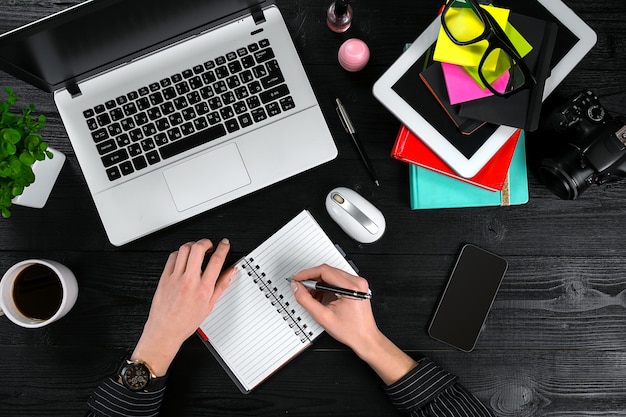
(74, 90)
(257, 14)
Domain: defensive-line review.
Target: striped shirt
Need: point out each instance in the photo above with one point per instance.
(426, 391)
(112, 399)
(429, 391)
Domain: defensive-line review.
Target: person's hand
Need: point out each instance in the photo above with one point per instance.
(184, 297)
(351, 321)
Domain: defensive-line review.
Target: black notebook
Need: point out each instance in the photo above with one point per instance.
(257, 326)
(524, 108)
(433, 79)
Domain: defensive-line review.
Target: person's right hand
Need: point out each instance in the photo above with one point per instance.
(351, 321)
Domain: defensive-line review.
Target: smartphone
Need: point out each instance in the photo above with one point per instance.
(467, 298)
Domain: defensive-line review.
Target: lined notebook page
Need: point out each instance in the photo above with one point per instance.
(257, 325)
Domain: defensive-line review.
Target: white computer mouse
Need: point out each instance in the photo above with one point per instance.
(355, 215)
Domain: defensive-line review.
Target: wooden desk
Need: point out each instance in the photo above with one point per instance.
(554, 343)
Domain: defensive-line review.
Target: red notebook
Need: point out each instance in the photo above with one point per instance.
(409, 148)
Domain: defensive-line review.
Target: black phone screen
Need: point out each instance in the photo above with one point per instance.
(467, 298)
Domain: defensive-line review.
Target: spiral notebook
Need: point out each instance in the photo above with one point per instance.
(257, 326)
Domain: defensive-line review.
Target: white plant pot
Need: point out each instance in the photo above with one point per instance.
(46, 173)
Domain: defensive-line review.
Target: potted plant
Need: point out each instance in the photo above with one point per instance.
(21, 146)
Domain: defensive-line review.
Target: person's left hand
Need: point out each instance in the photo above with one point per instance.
(184, 297)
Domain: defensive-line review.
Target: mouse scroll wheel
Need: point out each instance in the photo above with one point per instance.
(338, 198)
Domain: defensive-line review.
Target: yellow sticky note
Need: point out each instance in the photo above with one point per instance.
(468, 55)
(521, 45)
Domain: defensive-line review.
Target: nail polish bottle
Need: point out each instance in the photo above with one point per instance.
(339, 16)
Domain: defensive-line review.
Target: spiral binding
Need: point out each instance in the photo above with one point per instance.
(277, 300)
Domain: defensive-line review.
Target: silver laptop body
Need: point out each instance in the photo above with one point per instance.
(141, 194)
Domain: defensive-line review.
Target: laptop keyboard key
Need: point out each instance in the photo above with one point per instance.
(169, 93)
(287, 103)
(143, 103)
(264, 55)
(161, 139)
(245, 120)
(187, 128)
(134, 149)
(127, 124)
(117, 114)
(174, 134)
(92, 124)
(231, 125)
(213, 118)
(156, 98)
(106, 146)
(115, 157)
(273, 109)
(259, 115)
(113, 173)
(200, 123)
(274, 77)
(103, 119)
(153, 157)
(99, 135)
(274, 93)
(135, 135)
(115, 129)
(122, 140)
(140, 162)
(127, 168)
(195, 140)
(248, 61)
(129, 109)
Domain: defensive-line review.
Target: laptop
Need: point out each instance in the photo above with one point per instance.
(173, 107)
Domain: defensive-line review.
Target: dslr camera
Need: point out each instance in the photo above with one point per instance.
(592, 148)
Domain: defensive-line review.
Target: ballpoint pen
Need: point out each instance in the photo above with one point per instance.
(347, 124)
(320, 286)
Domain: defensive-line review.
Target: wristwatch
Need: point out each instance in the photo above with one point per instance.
(137, 376)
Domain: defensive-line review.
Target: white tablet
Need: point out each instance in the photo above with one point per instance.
(402, 92)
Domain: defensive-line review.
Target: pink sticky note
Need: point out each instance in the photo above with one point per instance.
(462, 87)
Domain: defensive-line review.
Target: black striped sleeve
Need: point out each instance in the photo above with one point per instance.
(112, 399)
(429, 391)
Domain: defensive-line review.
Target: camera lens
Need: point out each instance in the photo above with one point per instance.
(566, 178)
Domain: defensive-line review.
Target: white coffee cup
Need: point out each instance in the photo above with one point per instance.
(30, 295)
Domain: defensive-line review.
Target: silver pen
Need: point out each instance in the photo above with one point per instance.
(320, 286)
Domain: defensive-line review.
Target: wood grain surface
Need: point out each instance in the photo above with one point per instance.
(553, 345)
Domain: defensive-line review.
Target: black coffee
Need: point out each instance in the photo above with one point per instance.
(37, 292)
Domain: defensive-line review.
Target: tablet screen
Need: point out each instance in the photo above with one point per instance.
(416, 94)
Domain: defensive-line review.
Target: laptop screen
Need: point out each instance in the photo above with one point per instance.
(86, 39)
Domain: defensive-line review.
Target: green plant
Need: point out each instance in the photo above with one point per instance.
(20, 147)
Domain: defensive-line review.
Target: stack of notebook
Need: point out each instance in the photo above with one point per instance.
(452, 78)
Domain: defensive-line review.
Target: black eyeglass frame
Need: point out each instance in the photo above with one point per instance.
(496, 38)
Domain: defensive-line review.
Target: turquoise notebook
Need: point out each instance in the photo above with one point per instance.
(430, 190)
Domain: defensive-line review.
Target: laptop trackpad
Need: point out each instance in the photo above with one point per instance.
(206, 177)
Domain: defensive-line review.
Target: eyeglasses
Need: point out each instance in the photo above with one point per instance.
(501, 69)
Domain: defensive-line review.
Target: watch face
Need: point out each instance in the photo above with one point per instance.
(136, 376)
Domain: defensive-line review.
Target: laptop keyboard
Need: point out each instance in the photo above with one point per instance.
(183, 111)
